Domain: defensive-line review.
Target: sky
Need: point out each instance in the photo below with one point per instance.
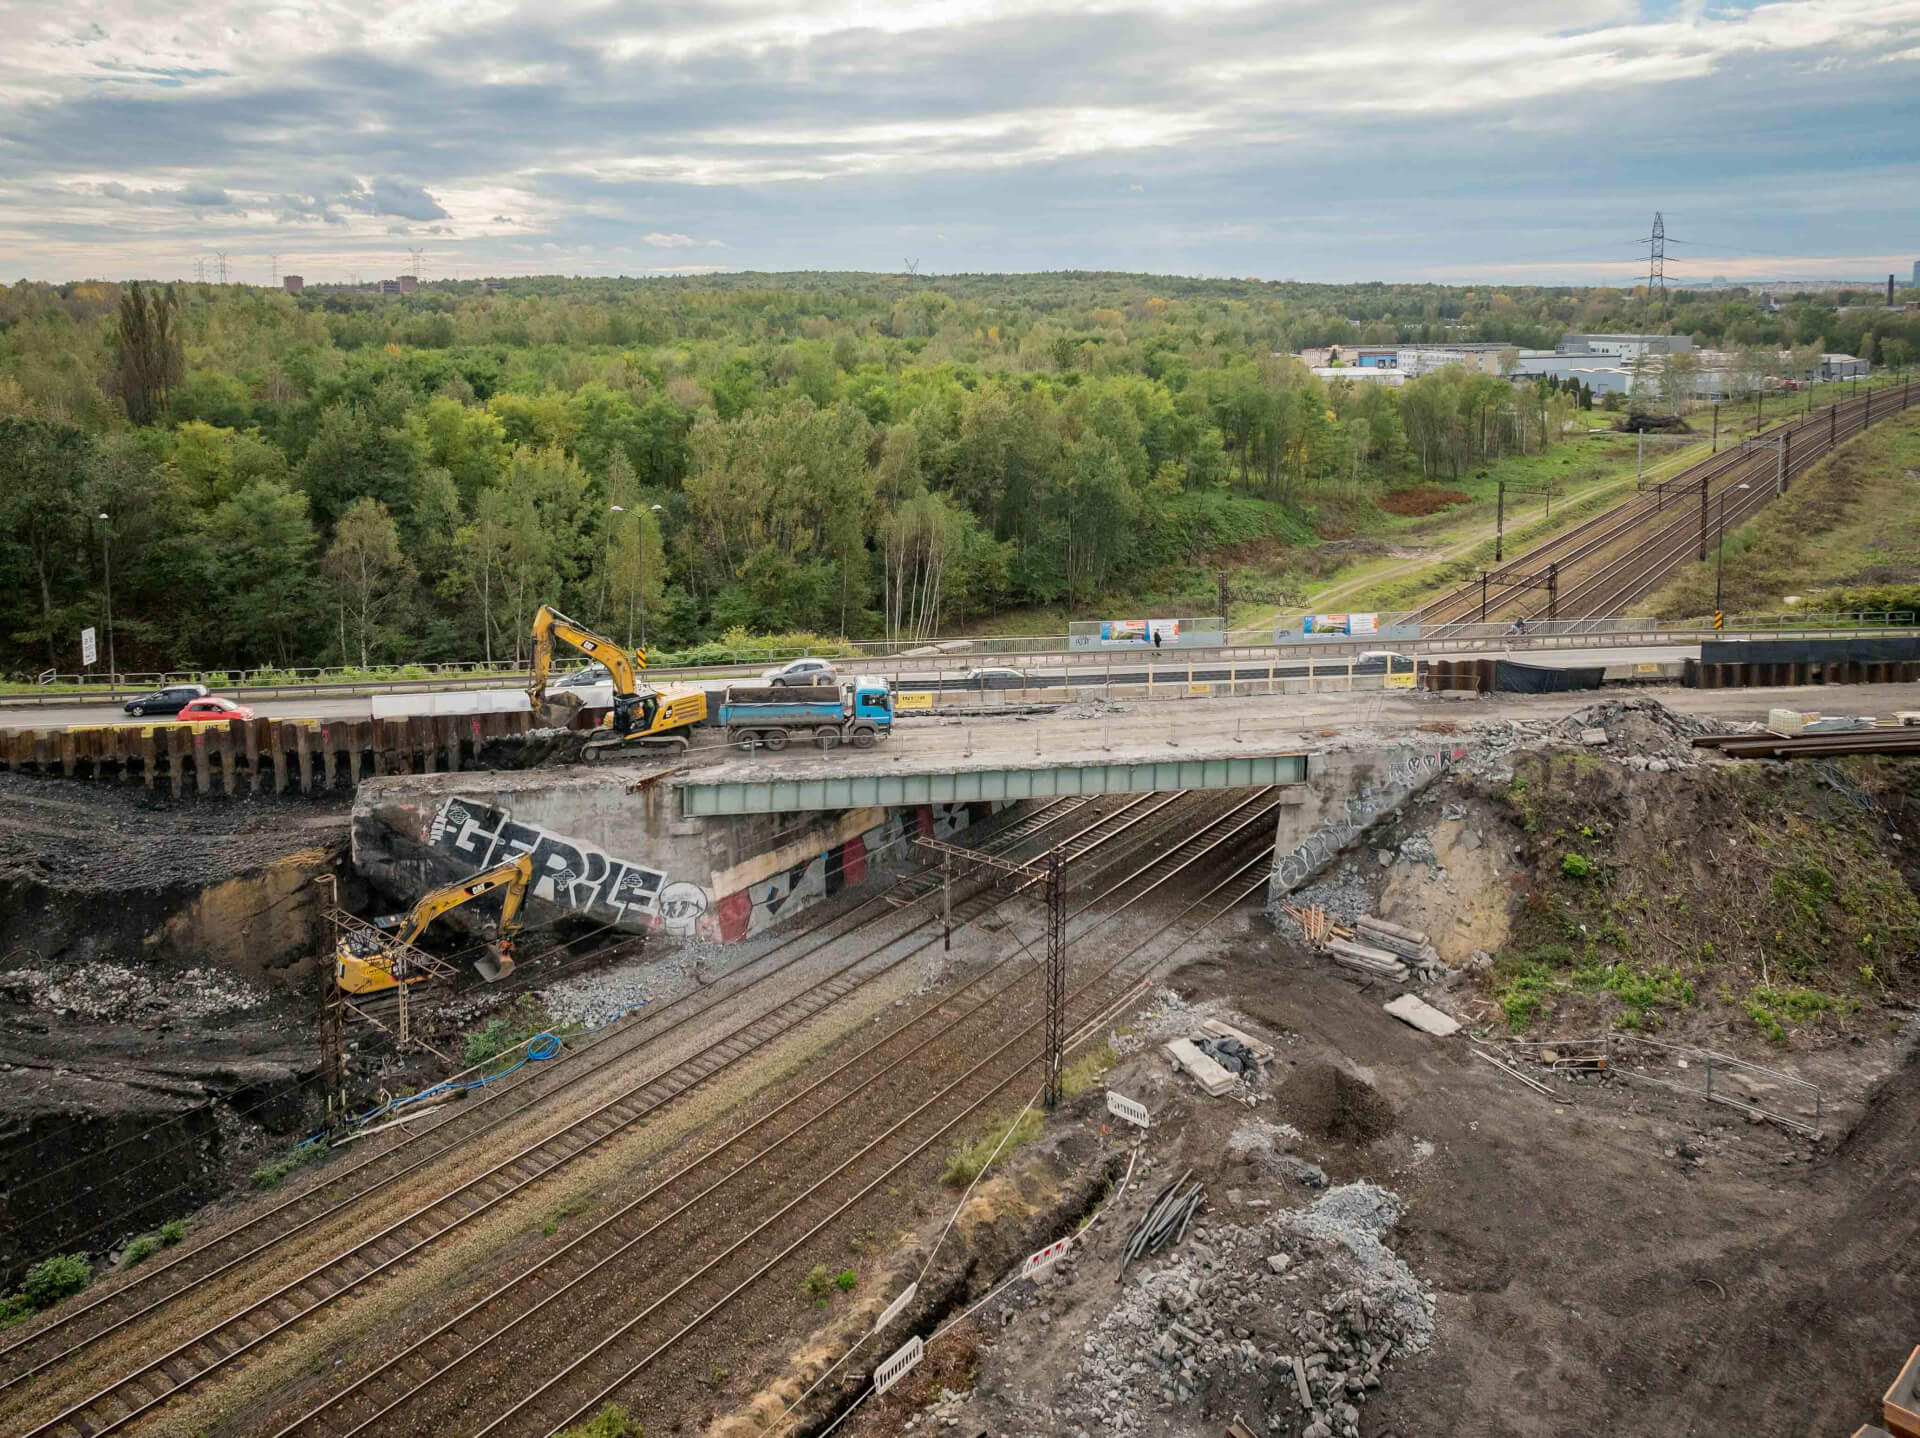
(1373, 139)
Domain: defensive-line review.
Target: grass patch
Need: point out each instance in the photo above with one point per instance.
(269, 1175)
(1521, 999)
(501, 1037)
(966, 1162)
(612, 1421)
(1641, 990)
(1087, 1070)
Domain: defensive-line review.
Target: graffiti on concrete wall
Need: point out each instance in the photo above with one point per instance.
(567, 873)
(1355, 814)
(760, 905)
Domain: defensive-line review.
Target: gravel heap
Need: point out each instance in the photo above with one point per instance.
(668, 970)
(1641, 733)
(1231, 1314)
(1344, 891)
(1169, 1017)
(113, 992)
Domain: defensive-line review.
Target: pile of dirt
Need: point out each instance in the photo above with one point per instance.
(1331, 1103)
(1425, 499)
(1640, 732)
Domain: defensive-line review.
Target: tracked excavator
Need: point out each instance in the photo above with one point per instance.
(365, 960)
(643, 717)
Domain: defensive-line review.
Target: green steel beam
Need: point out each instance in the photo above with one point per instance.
(855, 791)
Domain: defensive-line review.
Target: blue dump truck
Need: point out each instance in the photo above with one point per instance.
(857, 711)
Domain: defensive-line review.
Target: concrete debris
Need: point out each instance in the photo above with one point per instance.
(1376, 963)
(1594, 738)
(110, 991)
(1423, 1016)
(1309, 1308)
(1208, 1073)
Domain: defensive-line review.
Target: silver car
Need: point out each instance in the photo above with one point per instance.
(801, 672)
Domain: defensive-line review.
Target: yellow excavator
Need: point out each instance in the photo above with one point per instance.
(642, 715)
(364, 962)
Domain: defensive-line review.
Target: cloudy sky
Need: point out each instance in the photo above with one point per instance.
(1372, 139)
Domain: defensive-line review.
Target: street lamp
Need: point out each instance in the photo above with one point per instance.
(106, 559)
(1720, 547)
(640, 538)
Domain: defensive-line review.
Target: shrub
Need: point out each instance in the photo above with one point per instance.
(610, 1422)
(847, 1281)
(1576, 866)
(141, 1249)
(52, 1279)
(172, 1231)
(527, 1017)
(818, 1285)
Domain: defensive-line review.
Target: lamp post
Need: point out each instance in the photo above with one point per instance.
(640, 538)
(106, 560)
(1720, 548)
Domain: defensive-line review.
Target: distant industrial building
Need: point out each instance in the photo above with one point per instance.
(408, 284)
(1387, 375)
(292, 284)
(1624, 346)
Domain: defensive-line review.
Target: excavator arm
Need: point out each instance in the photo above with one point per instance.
(628, 697)
(369, 967)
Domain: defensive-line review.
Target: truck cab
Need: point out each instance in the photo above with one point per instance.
(873, 702)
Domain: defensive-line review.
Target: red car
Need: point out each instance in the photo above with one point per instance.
(214, 709)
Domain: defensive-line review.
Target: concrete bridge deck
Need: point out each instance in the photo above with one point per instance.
(1202, 743)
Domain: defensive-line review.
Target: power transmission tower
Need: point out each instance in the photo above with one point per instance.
(419, 271)
(199, 272)
(220, 261)
(1657, 259)
(273, 263)
(913, 266)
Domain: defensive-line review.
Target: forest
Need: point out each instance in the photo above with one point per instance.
(257, 478)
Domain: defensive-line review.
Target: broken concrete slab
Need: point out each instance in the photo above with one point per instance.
(1208, 1074)
(1423, 1016)
(1366, 959)
(1594, 737)
(1395, 931)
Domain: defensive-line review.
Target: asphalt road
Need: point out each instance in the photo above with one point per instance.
(1126, 669)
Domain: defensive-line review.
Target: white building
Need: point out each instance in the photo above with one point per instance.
(1362, 374)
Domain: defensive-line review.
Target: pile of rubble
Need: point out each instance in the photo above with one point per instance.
(113, 992)
(1641, 733)
(1234, 1316)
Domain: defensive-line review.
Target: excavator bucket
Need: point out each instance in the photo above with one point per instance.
(495, 963)
(557, 711)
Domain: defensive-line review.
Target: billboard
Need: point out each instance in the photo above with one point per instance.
(1345, 626)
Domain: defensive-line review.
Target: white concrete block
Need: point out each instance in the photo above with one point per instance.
(1208, 1074)
(1423, 1016)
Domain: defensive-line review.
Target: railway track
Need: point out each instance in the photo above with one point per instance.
(162, 1376)
(1622, 539)
(477, 1362)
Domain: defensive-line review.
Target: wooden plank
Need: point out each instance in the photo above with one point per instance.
(202, 780)
(450, 742)
(68, 754)
(148, 755)
(326, 756)
(176, 759)
(420, 737)
(358, 734)
(230, 734)
(277, 754)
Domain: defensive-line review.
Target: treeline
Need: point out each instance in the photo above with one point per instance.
(333, 477)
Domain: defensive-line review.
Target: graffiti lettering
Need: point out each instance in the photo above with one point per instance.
(567, 873)
(1356, 814)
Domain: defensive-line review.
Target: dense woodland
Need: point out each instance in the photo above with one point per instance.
(343, 478)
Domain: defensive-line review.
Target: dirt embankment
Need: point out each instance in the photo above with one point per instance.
(156, 1020)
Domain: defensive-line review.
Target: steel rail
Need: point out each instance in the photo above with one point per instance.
(1232, 822)
(715, 1059)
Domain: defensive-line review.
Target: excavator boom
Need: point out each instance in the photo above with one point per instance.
(639, 713)
(370, 973)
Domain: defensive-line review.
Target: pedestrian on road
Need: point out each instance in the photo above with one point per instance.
(1156, 641)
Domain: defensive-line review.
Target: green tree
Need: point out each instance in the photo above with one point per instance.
(354, 455)
(371, 578)
(264, 544)
(148, 361)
